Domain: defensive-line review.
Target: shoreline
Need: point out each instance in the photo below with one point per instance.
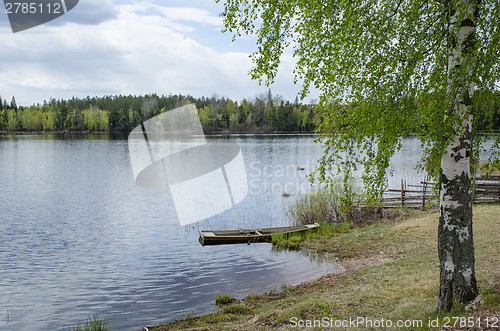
(210, 133)
(391, 271)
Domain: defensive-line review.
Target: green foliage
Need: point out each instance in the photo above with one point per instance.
(96, 119)
(30, 119)
(3, 123)
(11, 120)
(205, 115)
(76, 120)
(61, 121)
(93, 324)
(123, 113)
(491, 297)
(13, 104)
(48, 121)
(234, 125)
(337, 203)
(320, 205)
(382, 68)
(222, 299)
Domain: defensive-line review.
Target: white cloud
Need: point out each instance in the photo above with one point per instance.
(90, 12)
(130, 54)
(188, 14)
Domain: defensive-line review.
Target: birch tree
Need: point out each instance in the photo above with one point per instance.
(386, 69)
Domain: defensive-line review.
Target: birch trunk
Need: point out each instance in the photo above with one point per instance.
(455, 238)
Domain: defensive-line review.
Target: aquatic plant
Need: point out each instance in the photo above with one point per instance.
(93, 324)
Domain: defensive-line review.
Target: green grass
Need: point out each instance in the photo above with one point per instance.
(93, 324)
(491, 297)
(328, 230)
(392, 273)
(293, 241)
(222, 299)
(237, 309)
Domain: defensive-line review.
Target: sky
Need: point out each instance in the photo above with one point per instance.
(113, 47)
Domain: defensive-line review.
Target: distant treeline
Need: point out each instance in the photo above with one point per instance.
(265, 113)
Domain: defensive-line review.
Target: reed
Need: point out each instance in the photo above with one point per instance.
(93, 324)
(343, 201)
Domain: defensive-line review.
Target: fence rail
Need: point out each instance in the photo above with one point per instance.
(487, 189)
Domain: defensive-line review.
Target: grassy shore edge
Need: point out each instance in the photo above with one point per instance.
(391, 273)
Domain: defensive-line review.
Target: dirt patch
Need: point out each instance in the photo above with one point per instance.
(347, 266)
(353, 264)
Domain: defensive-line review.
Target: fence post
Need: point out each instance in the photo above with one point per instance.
(402, 194)
(424, 190)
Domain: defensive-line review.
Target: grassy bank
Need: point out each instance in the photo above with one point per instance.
(391, 273)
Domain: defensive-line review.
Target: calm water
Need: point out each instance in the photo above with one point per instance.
(78, 237)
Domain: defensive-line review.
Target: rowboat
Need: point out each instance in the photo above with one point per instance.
(242, 236)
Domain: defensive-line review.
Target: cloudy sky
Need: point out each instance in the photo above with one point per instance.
(111, 47)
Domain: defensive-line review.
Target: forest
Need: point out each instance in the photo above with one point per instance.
(265, 113)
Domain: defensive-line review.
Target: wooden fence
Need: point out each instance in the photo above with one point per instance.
(409, 196)
(421, 195)
(487, 189)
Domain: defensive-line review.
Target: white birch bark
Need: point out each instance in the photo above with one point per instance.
(455, 238)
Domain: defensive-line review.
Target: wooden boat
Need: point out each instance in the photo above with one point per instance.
(248, 236)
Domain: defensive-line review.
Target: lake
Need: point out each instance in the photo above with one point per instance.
(78, 237)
